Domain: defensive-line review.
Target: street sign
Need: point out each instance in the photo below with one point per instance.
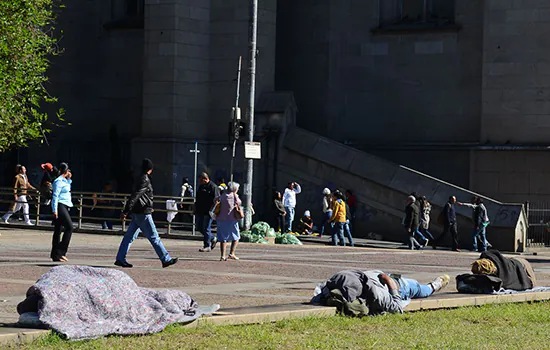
(253, 150)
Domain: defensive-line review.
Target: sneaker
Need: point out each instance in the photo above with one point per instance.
(124, 264)
(169, 262)
(213, 243)
(440, 282)
(29, 223)
(426, 243)
(205, 250)
(5, 221)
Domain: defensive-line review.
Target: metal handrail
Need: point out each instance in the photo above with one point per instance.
(84, 200)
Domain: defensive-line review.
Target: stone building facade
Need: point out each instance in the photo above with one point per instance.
(457, 89)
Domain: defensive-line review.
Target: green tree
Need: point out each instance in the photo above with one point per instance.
(27, 42)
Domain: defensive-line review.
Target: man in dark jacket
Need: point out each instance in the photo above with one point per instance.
(411, 223)
(449, 223)
(140, 205)
(206, 194)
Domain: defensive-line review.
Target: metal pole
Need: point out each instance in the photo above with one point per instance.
(235, 121)
(196, 151)
(251, 101)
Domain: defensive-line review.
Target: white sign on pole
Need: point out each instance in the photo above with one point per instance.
(253, 150)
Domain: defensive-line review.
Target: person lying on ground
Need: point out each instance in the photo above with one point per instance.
(493, 272)
(361, 293)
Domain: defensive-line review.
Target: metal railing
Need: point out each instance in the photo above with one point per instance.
(86, 204)
(538, 234)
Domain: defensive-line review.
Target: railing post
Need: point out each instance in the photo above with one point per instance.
(80, 201)
(37, 210)
(124, 220)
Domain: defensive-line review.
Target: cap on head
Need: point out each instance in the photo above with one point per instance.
(411, 199)
(47, 166)
(307, 213)
(326, 191)
(146, 165)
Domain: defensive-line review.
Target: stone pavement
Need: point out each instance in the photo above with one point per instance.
(274, 277)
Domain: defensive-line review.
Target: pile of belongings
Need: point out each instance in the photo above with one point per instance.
(82, 302)
(261, 231)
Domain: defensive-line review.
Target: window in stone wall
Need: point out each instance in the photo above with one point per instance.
(126, 14)
(416, 13)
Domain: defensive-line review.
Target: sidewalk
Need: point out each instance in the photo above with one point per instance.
(269, 282)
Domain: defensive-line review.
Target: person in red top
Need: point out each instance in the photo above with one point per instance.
(352, 204)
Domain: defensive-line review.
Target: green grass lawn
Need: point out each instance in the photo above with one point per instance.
(505, 326)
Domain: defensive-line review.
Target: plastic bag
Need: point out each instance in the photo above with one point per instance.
(270, 232)
(287, 238)
(261, 228)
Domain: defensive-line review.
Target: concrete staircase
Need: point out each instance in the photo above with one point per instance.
(382, 188)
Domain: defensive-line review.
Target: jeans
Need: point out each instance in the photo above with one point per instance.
(204, 225)
(411, 289)
(60, 246)
(290, 216)
(338, 234)
(412, 242)
(347, 233)
(426, 233)
(145, 223)
(325, 223)
(482, 237)
(418, 233)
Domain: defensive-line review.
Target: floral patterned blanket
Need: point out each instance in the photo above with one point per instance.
(82, 302)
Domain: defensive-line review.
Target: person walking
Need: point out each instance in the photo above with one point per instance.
(140, 205)
(289, 201)
(20, 187)
(327, 210)
(411, 222)
(448, 219)
(228, 221)
(206, 194)
(351, 200)
(280, 212)
(347, 226)
(425, 210)
(339, 219)
(61, 207)
(480, 220)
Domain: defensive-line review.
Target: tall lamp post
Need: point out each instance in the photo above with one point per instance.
(251, 100)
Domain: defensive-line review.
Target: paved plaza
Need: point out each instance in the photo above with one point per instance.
(266, 275)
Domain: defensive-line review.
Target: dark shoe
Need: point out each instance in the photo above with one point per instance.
(123, 264)
(213, 243)
(170, 262)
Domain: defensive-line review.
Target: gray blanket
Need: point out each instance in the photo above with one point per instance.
(82, 302)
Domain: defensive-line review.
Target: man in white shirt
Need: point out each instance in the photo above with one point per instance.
(289, 201)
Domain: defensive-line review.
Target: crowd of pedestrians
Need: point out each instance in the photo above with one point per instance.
(417, 222)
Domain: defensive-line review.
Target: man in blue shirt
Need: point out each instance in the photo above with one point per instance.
(448, 218)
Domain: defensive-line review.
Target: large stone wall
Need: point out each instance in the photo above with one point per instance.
(516, 72)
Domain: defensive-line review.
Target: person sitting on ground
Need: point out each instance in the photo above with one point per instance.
(306, 224)
(493, 272)
(361, 293)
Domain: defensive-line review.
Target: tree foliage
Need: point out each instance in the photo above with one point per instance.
(27, 42)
